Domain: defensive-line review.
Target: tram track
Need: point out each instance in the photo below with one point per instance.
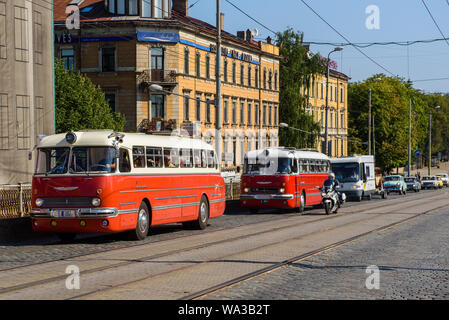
(214, 243)
(236, 281)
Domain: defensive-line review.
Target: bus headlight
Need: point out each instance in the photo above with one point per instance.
(246, 190)
(96, 202)
(39, 202)
(282, 190)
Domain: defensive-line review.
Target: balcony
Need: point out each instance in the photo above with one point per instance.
(165, 78)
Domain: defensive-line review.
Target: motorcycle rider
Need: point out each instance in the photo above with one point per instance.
(332, 183)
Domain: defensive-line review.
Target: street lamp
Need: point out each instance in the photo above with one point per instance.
(327, 99)
(429, 165)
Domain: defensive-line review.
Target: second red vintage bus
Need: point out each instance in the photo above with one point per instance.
(283, 178)
(104, 181)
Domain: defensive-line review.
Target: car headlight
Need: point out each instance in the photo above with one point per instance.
(323, 194)
(282, 190)
(96, 202)
(39, 202)
(398, 184)
(355, 187)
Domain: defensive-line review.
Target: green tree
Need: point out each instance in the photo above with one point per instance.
(297, 70)
(389, 105)
(80, 104)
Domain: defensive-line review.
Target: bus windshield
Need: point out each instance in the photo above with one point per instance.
(346, 172)
(268, 166)
(81, 160)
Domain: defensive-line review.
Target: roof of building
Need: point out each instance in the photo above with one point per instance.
(98, 13)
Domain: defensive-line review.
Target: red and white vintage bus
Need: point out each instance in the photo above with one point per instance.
(283, 178)
(104, 181)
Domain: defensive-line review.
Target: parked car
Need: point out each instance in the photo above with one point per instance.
(440, 182)
(395, 183)
(429, 182)
(445, 178)
(413, 184)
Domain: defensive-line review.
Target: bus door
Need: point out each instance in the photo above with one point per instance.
(296, 170)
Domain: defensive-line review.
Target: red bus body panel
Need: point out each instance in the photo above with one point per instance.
(264, 190)
(172, 198)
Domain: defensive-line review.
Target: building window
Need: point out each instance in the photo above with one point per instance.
(264, 78)
(342, 121)
(270, 80)
(234, 72)
(207, 66)
(37, 37)
(198, 65)
(208, 103)
(157, 58)
(234, 112)
(225, 70)
(110, 99)
(256, 77)
(322, 90)
(157, 106)
(2, 30)
(242, 74)
(341, 94)
(108, 59)
(322, 119)
(68, 58)
(256, 115)
(332, 119)
(249, 114)
(133, 8)
(146, 8)
(198, 108)
(4, 122)
(225, 111)
(242, 112)
(157, 8)
(249, 75)
(23, 121)
(313, 89)
(336, 92)
(186, 106)
(270, 115)
(186, 61)
(21, 34)
(120, 6)
(331, 92)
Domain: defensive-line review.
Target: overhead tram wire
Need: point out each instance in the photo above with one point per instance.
(434, 21)
(341, 35)
(370, 44)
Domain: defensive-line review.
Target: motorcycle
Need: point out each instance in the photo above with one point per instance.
(331, 201)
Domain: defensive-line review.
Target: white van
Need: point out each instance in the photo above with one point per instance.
(355, 175)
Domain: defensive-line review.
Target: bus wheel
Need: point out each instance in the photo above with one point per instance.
(66, 237)
(143, 223)
(203, 216)
(302, 203)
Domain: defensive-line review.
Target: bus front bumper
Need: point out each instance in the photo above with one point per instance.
(267, 196)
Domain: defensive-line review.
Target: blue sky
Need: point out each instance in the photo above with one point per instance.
(399, 20)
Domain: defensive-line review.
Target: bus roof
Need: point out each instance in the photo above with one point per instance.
(107, 137)
(286, 152)
(358, 159)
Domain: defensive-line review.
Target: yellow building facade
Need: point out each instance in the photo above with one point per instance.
(337, 111)
(178, 53)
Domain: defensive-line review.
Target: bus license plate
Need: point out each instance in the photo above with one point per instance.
(264, 201)
(63, 213)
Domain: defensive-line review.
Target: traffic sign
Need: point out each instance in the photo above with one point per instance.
(417, 153)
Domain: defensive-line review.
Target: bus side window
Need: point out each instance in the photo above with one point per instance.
(139, 157)
(210, 159)
(154, 157)
(171, 158)
(124, 164)
(203, 159)
(186, 158)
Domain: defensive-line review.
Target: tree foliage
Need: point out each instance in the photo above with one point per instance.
(80, 104)
(390, 108)
(296, 72)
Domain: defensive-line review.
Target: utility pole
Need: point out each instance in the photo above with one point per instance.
(374, 142)
(409, 134)
(218, 89)
(429, 164)
(369, 121)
